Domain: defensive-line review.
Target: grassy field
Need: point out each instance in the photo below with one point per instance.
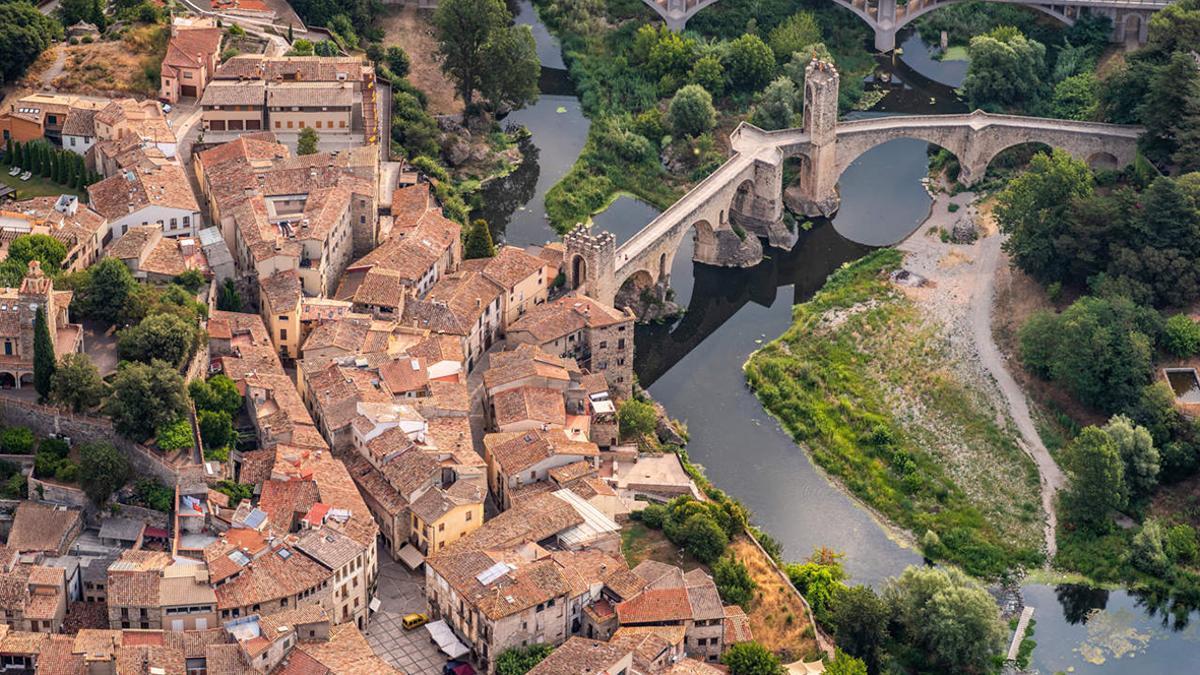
(34, 187)
(130, 65)
(868, 386)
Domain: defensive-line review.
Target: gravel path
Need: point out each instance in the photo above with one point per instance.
(981, 324)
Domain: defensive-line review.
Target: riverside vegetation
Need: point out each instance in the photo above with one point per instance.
(868, 386)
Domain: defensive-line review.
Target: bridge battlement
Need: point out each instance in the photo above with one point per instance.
(743, 200)
(1130, 18)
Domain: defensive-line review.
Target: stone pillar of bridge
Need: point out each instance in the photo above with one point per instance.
(590, 263)
(818, 176)
(675, 16)
(885, 26)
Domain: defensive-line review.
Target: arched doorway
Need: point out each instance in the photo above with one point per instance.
(1132, 30)
(578, 271)
(26, 380)
(8, 381)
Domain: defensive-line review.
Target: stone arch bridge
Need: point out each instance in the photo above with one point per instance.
(886, 17)
(743, 200)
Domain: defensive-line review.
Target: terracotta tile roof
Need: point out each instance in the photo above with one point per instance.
(655, 606)
(375, 485)
(22, 642)
(552, 320)
(526, 584)
(572, 472)
(133, 244)
(329, 547)
(404, 374)
(133, 589)
(532, 521)
(299, 68)
(225, 659)
(515, 452)
(38, 527)
(511, 265)
(140, 658)
(436, 348)
(436, 317)
(346, 652)
(625, 583)
(298, 662)
(659, 575)
(580, 656)
(446, 398)
(307, 94)
(585, 568)
(58, 657)
(452, 435)
(689, 666)
(411, 471)
(271, 577)
(466, 295)
(288, 619)
(347, 334)
(282, 291)
(227, 92)
(529, 404)
(381, 287)
(650, 644)
(737, 626)
(80, 122)
(436, 502)
(14, 589)
(286, 501)
(193, 47)
(527, 361)
(703, 595)
(120, 195)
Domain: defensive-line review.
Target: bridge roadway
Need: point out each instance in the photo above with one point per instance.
(886, 17)
(753, 146)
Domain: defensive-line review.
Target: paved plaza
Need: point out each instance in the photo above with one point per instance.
(402, 592)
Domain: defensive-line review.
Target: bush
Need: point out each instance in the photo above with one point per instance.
(1181, 336)
(733, 581)
(520, 660)
(175, 436)
(235, 491)
(703, 537)
(102, 469)
(154, 495)
(16, 440)
(637, 418)
(55, 447)
(1181, 544)
(691, 112)
(751, 658)
(653, 515)
(67, 472)
(1149, 549)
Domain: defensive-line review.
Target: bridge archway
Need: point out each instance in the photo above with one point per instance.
(704, 241)
(1131, 30)
(1103, 161)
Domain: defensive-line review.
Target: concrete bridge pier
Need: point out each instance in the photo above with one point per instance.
(885, 26)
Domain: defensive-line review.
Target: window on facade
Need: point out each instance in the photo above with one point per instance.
(282, 333)
(468, 515)
(318, 124)
(342, 124)
(187, 221)
(620, 343)
(174, 223)
(603, 344)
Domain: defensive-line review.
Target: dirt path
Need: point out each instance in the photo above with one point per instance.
(60, 64)
(961, 299)
(1052, 478)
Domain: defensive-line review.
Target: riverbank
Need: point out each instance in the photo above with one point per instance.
(894, 402)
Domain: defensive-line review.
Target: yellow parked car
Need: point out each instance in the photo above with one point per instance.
(414, 621)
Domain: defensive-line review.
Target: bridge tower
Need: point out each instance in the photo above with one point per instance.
(818, 176)
(591, 263)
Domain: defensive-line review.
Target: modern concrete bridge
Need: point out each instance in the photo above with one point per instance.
(743, 200)
(1129, 17)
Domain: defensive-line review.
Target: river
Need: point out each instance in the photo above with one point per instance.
(694, 366)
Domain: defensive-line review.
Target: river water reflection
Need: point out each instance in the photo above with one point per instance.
(694, 365)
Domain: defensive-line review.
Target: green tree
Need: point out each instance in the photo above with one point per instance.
(307, 144)
(302, 47)
(1149, 549)
(17, 440)
(44, 358)
(398, 61)
(844, 664)
(463, 29)
(691, 112)
(102, 470)
(1097, 479)
(819, 580)
(520, 660)
(479, 241)
(1182, 546)
(1032, 211)
(1105, 352)
(949, 617)
(1004, 70)
(1169, 93)
(163, 337)
(511, 76)
(703, 537)
(175, 435)
(733, 581)
(108, 287)
(776, 107)
(1136, 448)
(636, 418)
(145, 397)
(749, 62)
(229, 299)
(751, 658)
(76, 383)
(794, 34)
(1076, 97)
(708, 72)
(218, 393)
(1181, 336)
(49, 251)
(216, 429)
(859, 619)
(1187, 136)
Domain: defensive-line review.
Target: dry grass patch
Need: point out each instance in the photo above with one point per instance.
(778, 617)
(131, 65)
(412, 30)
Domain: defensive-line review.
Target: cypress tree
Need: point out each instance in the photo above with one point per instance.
(43, 354)
(18, 154)
(479, 241)
(24, 148)
(44, 156)
(56, 168)
(8, 150)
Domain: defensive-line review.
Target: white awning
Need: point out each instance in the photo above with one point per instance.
(410, 556)
(446, 640)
